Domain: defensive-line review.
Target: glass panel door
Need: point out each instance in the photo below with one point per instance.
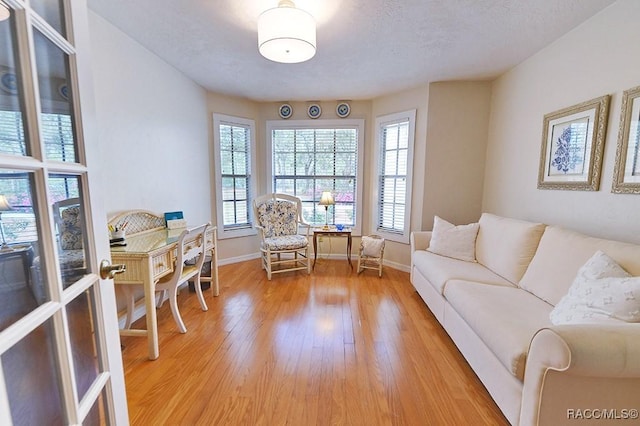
(56, 314)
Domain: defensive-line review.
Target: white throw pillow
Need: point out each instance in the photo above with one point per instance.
(458, 242)
(372, 247)
(602, 292)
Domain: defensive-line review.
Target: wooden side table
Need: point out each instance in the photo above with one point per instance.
(331, 232)
(24, 252)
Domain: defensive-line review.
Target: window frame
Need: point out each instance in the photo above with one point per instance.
(352, 123)
(249, 229)
(381, 122)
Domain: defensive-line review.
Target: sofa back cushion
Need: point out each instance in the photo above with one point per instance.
(457, 242)
(561, 253)
(507, 245)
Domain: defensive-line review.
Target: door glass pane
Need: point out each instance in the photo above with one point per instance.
(12, 131)
(52, 11)
(57, 120)
(70, 226)
(83, 341)
(98, 413)
(22, 285)
(30, 374)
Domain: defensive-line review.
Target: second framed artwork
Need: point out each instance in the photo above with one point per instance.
(626, 176)
(573, 146)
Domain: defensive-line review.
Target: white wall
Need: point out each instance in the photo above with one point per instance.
(597, 58)
(152, 127)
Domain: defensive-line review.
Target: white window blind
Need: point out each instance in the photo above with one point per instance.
(56, 130)
(12, 139)
(234, 153)
(393, 177)
(395, 135)
(57, 134)
(308, 161)
(234, 140)
(20, 223)
(308, 157)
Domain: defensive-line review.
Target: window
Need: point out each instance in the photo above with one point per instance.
(12, 138)
(395, 136)
(307, 157)
(234, 150)
(19, 223)
(57, 133)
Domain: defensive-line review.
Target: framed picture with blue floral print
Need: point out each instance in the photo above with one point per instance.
(626, 175)
(573, 146)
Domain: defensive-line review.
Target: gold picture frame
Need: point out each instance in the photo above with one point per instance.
(573, 145)
(626, 174)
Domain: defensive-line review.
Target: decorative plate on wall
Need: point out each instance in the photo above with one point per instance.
(63, 90)
(9, 82)
(285, 111)
(314, 111)
(343, 110)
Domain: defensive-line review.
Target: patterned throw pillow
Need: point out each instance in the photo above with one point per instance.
(602, 292)
(458, 242)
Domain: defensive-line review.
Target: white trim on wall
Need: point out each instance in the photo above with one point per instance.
(219, 119)
(382, 121)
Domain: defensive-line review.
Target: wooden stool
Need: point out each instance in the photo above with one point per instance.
(371, 253)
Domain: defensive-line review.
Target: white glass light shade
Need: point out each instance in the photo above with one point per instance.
(287, 35)
(4, 12)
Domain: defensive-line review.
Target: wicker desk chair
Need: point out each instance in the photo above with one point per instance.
(371, 253)
(278, 217)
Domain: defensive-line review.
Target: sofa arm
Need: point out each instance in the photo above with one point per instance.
(420, 240)
(578, 367)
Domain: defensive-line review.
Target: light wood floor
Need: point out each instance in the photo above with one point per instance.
(332, 348)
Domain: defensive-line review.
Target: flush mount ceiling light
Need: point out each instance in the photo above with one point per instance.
(286, 34)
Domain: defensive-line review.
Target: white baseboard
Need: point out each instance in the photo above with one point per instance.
(354, 260)
(238, 259)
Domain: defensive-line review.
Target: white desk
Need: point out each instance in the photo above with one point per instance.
(148, 256)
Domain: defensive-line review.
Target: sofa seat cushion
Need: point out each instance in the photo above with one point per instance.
(562, 253)
(507, 245)
(440, 269)
(505, 318)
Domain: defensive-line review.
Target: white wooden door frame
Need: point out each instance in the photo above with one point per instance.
(110, 379)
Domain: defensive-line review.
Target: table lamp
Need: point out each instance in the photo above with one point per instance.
(326, 200)
(4, 207)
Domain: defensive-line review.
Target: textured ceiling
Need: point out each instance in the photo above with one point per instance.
(366, 48)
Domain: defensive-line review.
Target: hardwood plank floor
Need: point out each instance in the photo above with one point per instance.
(332, 348)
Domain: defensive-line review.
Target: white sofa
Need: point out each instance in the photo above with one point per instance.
(496, 311)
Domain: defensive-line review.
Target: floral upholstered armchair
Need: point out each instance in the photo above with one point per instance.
(278, 218)
(69, 221)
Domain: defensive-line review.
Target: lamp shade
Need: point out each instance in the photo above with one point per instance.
(4, 204)
(286, 34)
(326, 199)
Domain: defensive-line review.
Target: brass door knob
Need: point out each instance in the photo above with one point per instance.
(108, 271)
